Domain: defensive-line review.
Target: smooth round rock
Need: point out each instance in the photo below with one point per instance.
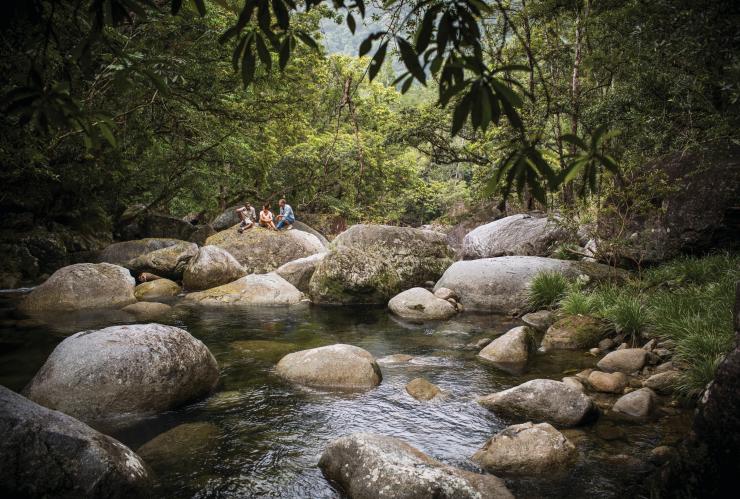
(520, 234)
(573, 332)
(525, 449)
(147, 311)
(299, 272)
(169, 262)
(211, 267)
(664, 382)
(627, 360)
(269, 290)
(607, 382)
(422, 304)
(156, 290)
(369, 466)
(423, 390)
(638, 405)
(82, 286)
(335, 366)
(114, 376)
(509, 351)
(501, 285)
(540, 320)
(542, 400)
(45, 453)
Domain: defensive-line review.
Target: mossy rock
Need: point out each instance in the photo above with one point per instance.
(574, 332)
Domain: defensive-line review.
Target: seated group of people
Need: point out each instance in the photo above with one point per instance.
(266, 219)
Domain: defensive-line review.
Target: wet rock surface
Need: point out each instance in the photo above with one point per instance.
(527, 449)
(45, 453)
(112, 377)
(369, 466)
(335, 366)
(82, 286)
(542, 400)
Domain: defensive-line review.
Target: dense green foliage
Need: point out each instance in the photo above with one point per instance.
(546, 290)
(688, 301)
(136, 105)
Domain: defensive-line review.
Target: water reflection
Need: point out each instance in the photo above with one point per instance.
(270, 434)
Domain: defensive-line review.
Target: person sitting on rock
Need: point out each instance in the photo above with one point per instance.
(266, 217)
(146, 277)
(247, 216)
(286, 216)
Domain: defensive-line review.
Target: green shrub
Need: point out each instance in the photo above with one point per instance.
(546, 290)
(566, 251)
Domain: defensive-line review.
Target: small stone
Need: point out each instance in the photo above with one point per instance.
(452, 302)
(669, 344)
(661, 455)
(396, 358)
(146, 311)
(595, 352)
(573, 382)
(423, 390)
(663, 383)
(540, 321)
(638, 405)
(665, 366)
(445, 293)
(509, 351)
(627, 360)
(649, 345)
(606, 344)
(583, 375)
(663, 353)
(622, 346)
(607, 382)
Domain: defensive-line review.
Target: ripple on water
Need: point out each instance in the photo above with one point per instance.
(271, 433)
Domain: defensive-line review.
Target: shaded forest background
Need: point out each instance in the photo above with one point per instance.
(174, 129)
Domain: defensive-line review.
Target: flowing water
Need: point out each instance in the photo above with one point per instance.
(263, 437)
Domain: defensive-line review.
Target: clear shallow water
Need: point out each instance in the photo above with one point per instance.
(268, 435)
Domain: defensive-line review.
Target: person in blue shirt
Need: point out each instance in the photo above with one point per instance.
(286, 217)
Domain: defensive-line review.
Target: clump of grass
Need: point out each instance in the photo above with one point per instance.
(546, 290)
(578, 302)
(626, 314)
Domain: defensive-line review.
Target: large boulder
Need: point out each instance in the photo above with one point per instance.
(299, 272)
(500, 285)
(211, 267)
(253, 289)
(574, 332)
(228, 218)
(515, 235)
(82, 286)
(698, 210)
(543, 400)
(421, 304)
(261, 250)
(509, 351)
(45, 453)
(627, 360)
(527, 449)
(156, 290)
(334, 366)
(368, 264)
(298, 225)
(113, 376)
(122, 253)
(369, 466)
(169, 262)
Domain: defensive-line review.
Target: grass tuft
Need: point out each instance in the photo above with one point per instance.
(546, 290)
